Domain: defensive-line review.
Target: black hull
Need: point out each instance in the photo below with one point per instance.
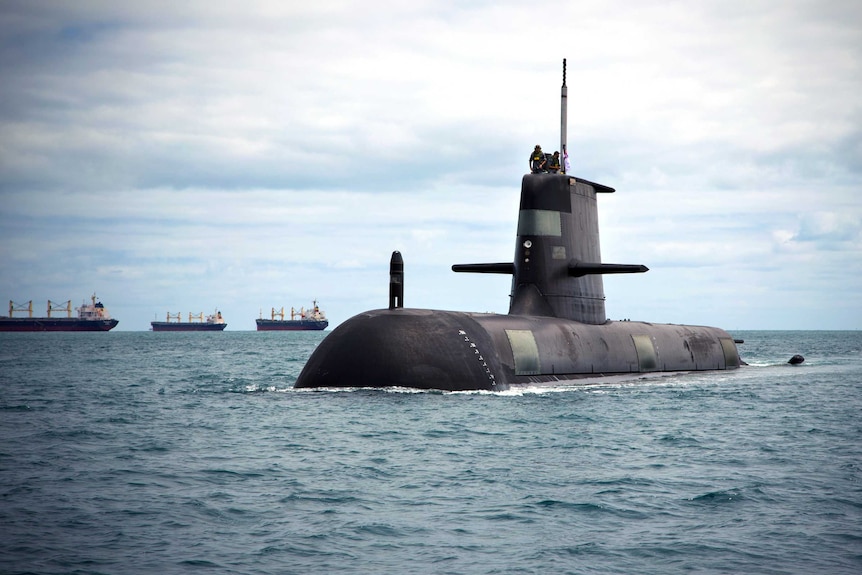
(455, 351)
(166, 326)
(290, 325)
(25, 324)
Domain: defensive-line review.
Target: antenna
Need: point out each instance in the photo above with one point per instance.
(564, 94)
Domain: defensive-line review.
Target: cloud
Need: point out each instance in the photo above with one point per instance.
(830, 230)
(168, 154)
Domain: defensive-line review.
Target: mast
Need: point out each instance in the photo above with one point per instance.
(564, 92)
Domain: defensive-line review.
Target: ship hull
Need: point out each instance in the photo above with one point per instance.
(458, 351)
(56, 324)
(290, 325)
(166, 326)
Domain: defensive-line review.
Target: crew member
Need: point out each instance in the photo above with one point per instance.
(537, 160)
(554, 164)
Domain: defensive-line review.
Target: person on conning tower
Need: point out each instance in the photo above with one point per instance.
(537, 160)
(554, 163)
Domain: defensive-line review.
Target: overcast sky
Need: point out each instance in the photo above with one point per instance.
(190, 156)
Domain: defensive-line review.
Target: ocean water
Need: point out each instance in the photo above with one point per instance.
(141, 452)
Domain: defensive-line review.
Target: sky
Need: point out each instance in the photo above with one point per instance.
(240, 156)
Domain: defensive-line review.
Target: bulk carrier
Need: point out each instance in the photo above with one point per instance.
(91, 317)
(302, 320)
(213, 322)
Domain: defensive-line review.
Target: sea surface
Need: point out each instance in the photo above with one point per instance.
(141, 452)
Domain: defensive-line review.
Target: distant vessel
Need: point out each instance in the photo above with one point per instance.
(213, 322)
(91, 317)
(311, 320)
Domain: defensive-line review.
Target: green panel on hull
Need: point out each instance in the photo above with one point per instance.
(647, 360)
(731, 354)
(525, 351)
(539, 223)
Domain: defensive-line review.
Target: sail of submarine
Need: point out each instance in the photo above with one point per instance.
(556, 330)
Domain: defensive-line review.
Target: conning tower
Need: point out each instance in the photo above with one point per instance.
(557, 271)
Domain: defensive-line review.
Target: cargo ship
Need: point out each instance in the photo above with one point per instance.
(91, 317)
(302, 320)
(213, 322)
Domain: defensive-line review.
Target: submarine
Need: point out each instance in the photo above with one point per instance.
(555, 332)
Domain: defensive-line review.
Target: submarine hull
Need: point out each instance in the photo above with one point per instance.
(460, 351)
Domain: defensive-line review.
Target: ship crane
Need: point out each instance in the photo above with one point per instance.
(13, 307)
(67, 307)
